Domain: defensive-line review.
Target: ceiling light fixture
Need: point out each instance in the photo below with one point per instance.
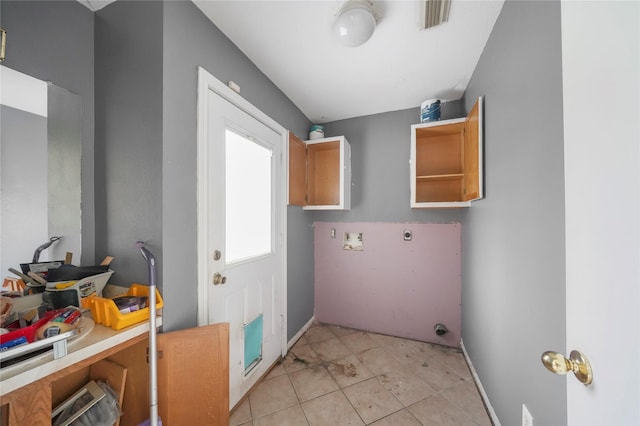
(355, 22)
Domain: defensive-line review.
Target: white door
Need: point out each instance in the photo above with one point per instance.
(242, 240)
(601, 91)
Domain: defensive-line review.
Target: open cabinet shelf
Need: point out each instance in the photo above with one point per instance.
(320, 173)
(446, 161)
(450, 176)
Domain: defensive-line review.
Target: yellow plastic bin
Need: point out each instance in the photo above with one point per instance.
(105, 311)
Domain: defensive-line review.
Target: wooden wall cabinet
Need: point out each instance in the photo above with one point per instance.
(446, 161)
(320, 173)
(193, 380)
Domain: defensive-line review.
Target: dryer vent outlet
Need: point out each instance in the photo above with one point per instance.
(440, 329)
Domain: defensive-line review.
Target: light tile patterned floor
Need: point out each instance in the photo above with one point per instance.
(336, 376)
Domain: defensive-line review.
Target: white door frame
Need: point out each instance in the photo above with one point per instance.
(207, 82)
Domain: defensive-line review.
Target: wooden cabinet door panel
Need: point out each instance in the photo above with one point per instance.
(320, 173)
(472, 149)
(29, 405)
(193, 376)
(297, 171)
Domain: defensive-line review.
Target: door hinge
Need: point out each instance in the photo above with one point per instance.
(159, 356)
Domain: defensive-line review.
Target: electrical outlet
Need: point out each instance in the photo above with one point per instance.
(527, 419)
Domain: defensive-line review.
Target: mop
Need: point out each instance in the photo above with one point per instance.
(153, 355)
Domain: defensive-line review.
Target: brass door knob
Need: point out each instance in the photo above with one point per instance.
(577, 363)
(219, 279)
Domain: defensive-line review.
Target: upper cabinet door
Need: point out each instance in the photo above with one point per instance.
(297, 171)
(473, 149)
(320, 173)
(446, 161)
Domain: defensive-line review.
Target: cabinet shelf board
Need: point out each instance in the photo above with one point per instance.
(448, 176)
(440, 204)
(439, 128)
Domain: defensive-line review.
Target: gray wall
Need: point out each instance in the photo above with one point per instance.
(129, 114)
(513, 295)
(147, 54)
(300, 264)
(53, 41)
(380, 151)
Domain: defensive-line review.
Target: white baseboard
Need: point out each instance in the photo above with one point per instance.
(483, 394)
(299, 334)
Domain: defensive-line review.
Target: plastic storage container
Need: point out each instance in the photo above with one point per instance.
(105, 311)
(25, 334)
(430, 110)
(65, 293)
(316, 132)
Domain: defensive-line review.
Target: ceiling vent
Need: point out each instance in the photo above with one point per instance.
(434, 12)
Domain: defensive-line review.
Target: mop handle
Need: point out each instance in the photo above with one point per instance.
(153, 355)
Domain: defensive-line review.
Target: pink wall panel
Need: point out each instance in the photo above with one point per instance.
(396, 287)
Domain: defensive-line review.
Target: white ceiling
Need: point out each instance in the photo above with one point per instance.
(291, 42)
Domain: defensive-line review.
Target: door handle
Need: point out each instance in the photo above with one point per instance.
(577, 363)
(219, 279)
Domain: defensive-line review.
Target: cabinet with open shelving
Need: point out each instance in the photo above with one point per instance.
(446, 161)
(320, 173)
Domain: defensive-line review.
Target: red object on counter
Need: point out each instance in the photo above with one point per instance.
(28, 332)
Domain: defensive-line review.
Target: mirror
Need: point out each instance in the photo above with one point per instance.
(40, 153)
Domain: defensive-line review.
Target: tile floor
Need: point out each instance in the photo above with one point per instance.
(336, 376)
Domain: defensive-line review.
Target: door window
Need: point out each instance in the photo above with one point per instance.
(248, 198)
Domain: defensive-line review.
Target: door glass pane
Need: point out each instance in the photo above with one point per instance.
(248, 198)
